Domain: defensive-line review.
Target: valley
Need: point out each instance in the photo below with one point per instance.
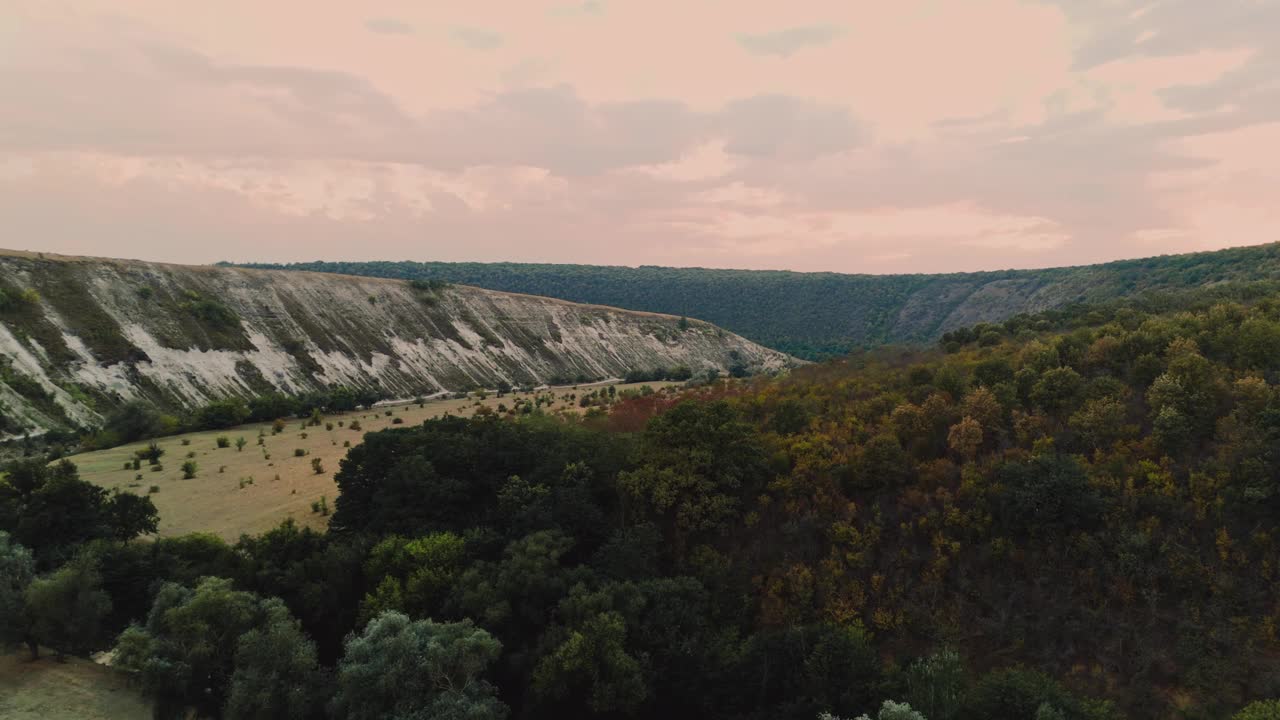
(255, 488)
(815, 315)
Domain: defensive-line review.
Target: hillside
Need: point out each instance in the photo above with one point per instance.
(812, 315)
(79, 336)
(1073, 516)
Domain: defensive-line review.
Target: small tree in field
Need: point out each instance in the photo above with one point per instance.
(189, 469)
(317, 466)
(240, 443)
(151, 453)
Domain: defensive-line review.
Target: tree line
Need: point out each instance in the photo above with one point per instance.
(818, 315)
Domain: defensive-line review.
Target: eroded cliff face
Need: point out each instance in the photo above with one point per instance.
(80, 335)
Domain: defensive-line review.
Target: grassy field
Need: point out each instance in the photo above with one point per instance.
(47, 689)
(255, 489)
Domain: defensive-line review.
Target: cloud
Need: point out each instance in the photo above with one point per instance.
(588, 7)
(783, 126)
(388, 26)
(1093, 132)
(477, 38)
(785, 43)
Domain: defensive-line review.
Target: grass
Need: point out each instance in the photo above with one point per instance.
(220, 503)
(76, 688)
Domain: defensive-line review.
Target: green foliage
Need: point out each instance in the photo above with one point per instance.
(17, 570)
(67, 607)
(936, 685)
(1260, 710)
(698, 460)
(51, 511)
(194, 641)
(189, 469)
(592, 663)
(222, 414)
(211, 313)
(276, 674)
(1048, 495)
(402, 668)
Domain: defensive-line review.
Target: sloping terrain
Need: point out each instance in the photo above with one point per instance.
(813, 315)
(80, 335)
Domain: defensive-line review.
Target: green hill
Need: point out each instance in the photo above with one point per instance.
(814, 315)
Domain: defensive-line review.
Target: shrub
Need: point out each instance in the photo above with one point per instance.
(154, 489)
(186, 441)
(299, 452)
(397, 421)
(189, 469)
(355, 425)
(317, 466)
(240, 443)
(277, 427)
(151, 453)
(223, 441)
(157, 468)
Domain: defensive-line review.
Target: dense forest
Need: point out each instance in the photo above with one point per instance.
(1072, 515)
(819, 315)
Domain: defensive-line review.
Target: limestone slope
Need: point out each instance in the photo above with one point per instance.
(79, 335)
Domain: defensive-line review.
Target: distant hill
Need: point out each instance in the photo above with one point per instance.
(814, 315)
(80, 336)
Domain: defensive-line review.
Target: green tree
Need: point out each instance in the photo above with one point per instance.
(1047, 495)
(67, 607)
(50, 510)
(592, 663)
(398, 668)
(1260, 710)
(185, 655)
(17, 570)
(1058, 390)
(276, 672)
(698, 460)
(1101, 422)
(936, 685)
(413, 575)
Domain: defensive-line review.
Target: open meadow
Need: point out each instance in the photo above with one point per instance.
(275, 476)
(77, 688)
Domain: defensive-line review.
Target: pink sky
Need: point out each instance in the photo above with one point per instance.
(905, 136)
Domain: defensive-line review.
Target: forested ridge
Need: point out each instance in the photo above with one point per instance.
(817, 315)
(1066, 515)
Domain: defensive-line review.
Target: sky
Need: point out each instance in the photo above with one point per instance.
(840, 135)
